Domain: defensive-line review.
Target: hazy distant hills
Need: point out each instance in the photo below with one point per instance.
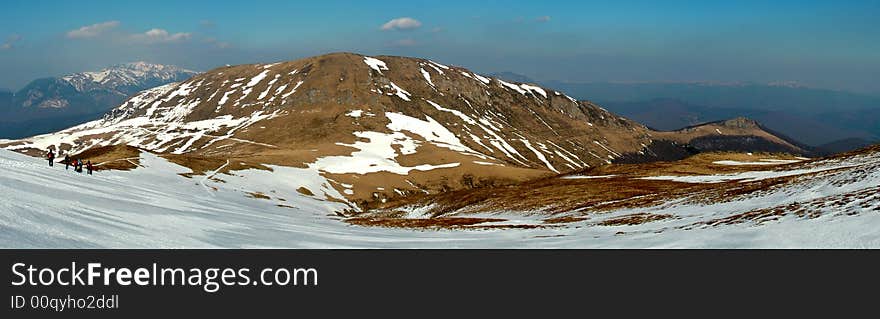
(757, 96)
(5, 98)
(829, 119)
(812, 129)
(514, 77)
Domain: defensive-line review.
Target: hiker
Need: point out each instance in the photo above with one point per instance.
(66, 161)
(79, 169)
(89, 167)
(51, 157)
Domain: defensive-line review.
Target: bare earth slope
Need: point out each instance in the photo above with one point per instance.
(703, 191)
(379, 128)
(739, 134)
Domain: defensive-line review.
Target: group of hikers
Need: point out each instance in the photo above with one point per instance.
(77, 164)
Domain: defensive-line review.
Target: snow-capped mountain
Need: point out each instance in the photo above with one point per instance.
(128, 78)
(114, 83)
(380, 128)
(50, 104)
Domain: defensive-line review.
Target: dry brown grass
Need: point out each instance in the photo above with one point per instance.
(809, 209)
(305, 191)
(564, 220)
(204, 165)
(118, 157)
(257, 195)
(198, 165)
(700, 164)
(688, 134)
(553, 195)
(634, 219)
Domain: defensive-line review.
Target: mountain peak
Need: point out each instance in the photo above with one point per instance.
(741, 122)
(147, 66)
(378, 127)
(134, 74)
(386, 125)
(49, 104)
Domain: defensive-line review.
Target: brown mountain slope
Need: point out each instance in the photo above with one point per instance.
(376, 127)
(754, 187)
(732, 130)
(386, 126)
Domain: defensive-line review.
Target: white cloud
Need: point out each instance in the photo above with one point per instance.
(155, 35)
(91, 31)
(217, 43)
(405, 23)
(10, 42)
(161, 36)
(543, 19)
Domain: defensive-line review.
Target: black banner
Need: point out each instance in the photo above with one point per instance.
(414, 282)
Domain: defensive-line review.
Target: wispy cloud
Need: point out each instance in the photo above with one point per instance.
(543, 19)
(10, 42)
(91, 31)
(160, 36)
(108, 31)
(404, 23)
(217, 43)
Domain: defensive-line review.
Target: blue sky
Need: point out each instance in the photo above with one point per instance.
(830, 44)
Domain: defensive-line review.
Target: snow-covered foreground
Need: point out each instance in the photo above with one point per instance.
(154, 207)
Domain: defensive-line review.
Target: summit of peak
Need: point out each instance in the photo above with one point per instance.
(139, 74)
(150, 67)
(741, 122)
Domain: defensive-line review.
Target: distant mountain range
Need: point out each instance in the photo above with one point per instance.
(50, 104)
(513, 77)
(828, 119)
(822, 129)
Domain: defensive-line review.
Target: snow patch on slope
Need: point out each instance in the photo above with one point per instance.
(378, 154)
(161, 126)
(401, 93)
(512, 86)
(375, 155)
(375, 64)
(154, 207)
